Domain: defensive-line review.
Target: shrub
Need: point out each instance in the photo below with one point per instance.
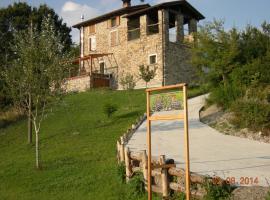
(121, 172)
(224, 96)
(252, 114)
(216, 191)
(109, 109)
(253, 110)
(137, 186)
(178, 196)
(268, 196)
(147, 74)
(128, 82)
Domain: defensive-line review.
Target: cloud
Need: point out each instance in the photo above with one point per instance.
(71, 13)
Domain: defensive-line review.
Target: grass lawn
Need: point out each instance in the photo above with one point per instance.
(78, 150)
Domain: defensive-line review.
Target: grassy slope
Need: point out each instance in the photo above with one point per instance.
(77, 146)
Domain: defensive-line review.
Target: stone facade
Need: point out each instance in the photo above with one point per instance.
(77, 84)
(172, 57)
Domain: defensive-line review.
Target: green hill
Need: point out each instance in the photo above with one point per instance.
(78, 149)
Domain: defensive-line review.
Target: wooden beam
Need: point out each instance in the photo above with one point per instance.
(166, 117)
(149, 177)
(166, 87)
(186, 142)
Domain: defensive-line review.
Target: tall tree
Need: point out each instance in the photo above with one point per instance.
(217, 50)
(18, 17)
(35, 76)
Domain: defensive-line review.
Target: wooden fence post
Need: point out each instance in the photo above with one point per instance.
(164, 177)
(118, 151)
(144, 165)
(127, 163)
(122, 153)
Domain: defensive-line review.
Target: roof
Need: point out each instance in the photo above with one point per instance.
(121, 11)
(187, 7)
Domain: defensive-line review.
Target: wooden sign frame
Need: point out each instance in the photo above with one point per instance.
(184, 116)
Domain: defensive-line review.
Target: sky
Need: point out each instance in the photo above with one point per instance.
(236, 13)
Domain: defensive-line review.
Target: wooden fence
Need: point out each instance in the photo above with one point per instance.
(165, 176)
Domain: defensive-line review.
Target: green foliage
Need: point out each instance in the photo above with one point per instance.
(78, 156)
(136, 185)
(78, 143)
(35, 77)
(178, 196)
(233, 63)
(121, 172)
(217, 192)
(147, 74)
(128, 82)
(21, 17)
(109, 109)
(253, 111)
(268, 196)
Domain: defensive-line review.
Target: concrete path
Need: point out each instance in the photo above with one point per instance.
(211, 153)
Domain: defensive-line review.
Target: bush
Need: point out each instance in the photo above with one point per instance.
(137, 186)
(253, 110)
(109, 109)
(268, 196)
(121, 172)
(215, 192)
(178, 196)
(251, 114)
(224, 96)
(128, 82)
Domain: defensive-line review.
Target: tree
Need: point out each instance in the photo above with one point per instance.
(34, 78)
(128, 81)
(146, 74)
(18, 17)
(216, 50)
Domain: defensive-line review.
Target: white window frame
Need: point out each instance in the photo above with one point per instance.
(117, 38)
(90, 48)
(150, 60)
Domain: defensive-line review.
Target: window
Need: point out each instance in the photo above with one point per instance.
(92, 43)
(113, 22)
(133, 28)
(172, 27)
(92, 29)
(153, 59)
(102, 67)
(114, 40)
(152, 23)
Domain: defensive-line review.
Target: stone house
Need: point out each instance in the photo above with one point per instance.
(117, 43)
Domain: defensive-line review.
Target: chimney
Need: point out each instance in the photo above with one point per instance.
(126, 3)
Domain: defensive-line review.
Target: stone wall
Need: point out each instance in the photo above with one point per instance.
(127, 55)
(172, 65)
(177, 66)
(77, 84)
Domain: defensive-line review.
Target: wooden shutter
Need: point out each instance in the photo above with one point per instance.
(114, 38)
(118, 20)
(109, 23)
(92, 29)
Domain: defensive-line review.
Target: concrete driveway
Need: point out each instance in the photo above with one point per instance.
(211, 153)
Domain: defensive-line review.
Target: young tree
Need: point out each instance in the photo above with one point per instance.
(127, 81)
(35, 76)
(147, 74)
(18, 17)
